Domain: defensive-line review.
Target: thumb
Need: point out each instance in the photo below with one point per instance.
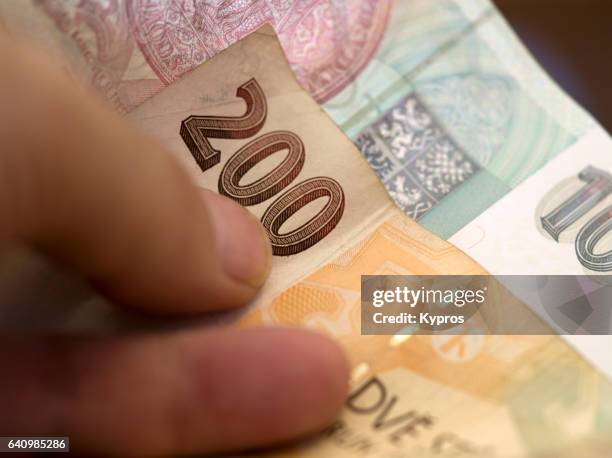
(83, 185)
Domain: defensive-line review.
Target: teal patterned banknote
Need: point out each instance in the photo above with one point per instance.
(452, 112)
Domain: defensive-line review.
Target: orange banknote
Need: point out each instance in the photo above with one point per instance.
(242, 125)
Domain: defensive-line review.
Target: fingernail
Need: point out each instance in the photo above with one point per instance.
(244, 248)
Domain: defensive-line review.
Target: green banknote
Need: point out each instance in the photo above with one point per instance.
(452, 112)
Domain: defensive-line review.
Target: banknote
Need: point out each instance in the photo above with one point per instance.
(453, 113)
(252, 133)
(129, 50)
(454, 94)
(456, 114)
(558, 221)
(412, 395)
(440, 96)
(441, 395)
(442, 99)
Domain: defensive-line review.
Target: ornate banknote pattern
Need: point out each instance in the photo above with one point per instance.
(415, 159)
(130, 49)
(97, 42)
(326, 41)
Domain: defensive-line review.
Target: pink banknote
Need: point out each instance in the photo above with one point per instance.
(327, 42)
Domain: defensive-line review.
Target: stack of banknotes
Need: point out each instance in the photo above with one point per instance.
(415, 137)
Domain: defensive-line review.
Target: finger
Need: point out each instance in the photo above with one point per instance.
(83, 185)
(188, 393)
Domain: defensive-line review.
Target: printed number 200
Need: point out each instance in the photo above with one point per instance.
(196, 130)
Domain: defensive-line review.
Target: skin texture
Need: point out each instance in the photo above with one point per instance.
(84, 186)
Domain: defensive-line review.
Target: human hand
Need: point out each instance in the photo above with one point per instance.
(83, 186)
